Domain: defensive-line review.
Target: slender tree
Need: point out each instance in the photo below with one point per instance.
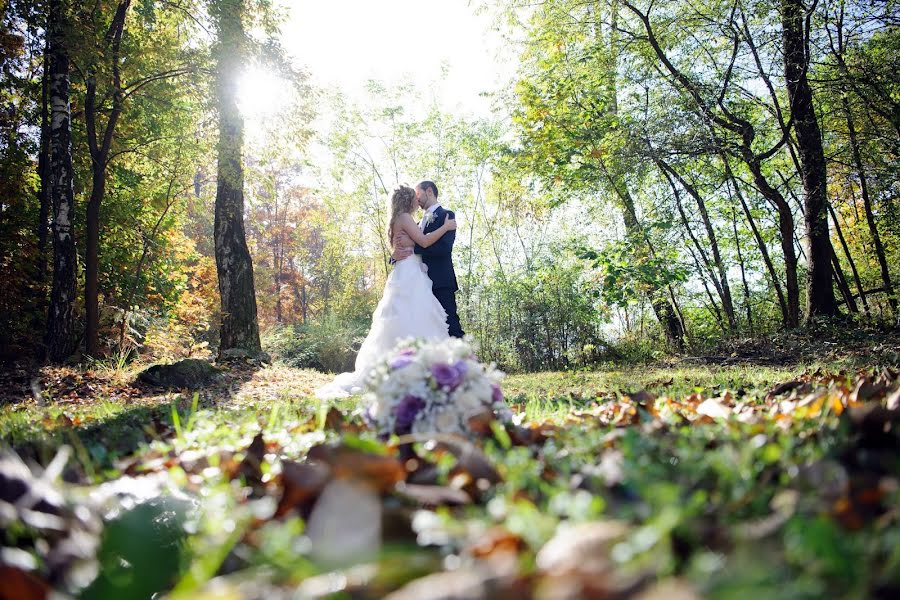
(239, 328)
(44, 201)
(877, 245)
(100, 141)
(60, 336)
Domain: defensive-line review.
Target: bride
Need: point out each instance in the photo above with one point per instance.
(408, 308)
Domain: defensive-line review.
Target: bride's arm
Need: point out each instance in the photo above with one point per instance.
(408, 225)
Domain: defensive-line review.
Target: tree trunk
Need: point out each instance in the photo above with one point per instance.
(720, 282)
(740, 256)
(46, 181)
(819, 289)
(99, 144)
(234, 267)
(745, 131)
(867, 205)
(786, 232)
(853, 270)
(663, 310)
(666, 312)
(92, 262)
(841, 281)
(60, 334)
(761, 244)
(713, 307)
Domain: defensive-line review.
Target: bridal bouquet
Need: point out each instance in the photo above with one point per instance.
(426, 387)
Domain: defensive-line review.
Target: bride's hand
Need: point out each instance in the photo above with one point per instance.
(449, 224)
(402, 240)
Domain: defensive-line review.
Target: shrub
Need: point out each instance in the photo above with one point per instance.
(330, 345)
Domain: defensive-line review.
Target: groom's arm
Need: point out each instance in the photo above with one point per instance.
(442, 247)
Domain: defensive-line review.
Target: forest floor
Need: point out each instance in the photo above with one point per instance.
(762, 468)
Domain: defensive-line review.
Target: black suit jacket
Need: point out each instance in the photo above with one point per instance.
(438, 257)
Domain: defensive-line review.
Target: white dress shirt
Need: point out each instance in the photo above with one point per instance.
(428, 211)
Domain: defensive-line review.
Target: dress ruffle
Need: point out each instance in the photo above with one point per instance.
(407, 309)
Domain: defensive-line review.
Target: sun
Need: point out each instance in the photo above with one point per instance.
(261, 94)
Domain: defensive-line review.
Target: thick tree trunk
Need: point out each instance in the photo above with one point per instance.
(819, 289)
(867, 206)
(240, 328)
(60, 334)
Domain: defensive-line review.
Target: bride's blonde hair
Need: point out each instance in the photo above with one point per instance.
(402, 201)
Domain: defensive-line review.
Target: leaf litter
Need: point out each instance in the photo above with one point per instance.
(631, 495)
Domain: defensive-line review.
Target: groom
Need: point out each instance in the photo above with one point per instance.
(437, 257)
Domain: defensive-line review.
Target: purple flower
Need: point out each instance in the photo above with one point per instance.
(407, 352)
(449, 376)
(401, 361)
(496, 394)
(405, 413)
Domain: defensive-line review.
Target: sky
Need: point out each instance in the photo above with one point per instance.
(347, 42)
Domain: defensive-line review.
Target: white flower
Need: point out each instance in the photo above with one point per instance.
(381, 410)
(469, 403)
(446, 421)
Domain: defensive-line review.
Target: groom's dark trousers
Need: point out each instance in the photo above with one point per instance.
(439, 259)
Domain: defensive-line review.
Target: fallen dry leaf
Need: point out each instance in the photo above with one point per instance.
(16, 584)
(301, 483)
(380, 472)
(582, 548)
(714, 409)
(432, 496)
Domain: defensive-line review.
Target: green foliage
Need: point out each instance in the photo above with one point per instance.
(142, 551)
(537, 319)
(329, 345)
(624, 275)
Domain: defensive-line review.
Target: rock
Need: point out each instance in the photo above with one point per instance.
(187, 373)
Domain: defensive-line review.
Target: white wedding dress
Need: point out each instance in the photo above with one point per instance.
(407, 309)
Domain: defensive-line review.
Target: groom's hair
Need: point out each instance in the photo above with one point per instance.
(429, 185)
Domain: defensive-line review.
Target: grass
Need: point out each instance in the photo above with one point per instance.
(280, 396)
(726, 507)
(674, 381)
(277, 399)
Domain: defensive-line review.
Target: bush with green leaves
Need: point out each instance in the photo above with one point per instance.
(329, 345)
